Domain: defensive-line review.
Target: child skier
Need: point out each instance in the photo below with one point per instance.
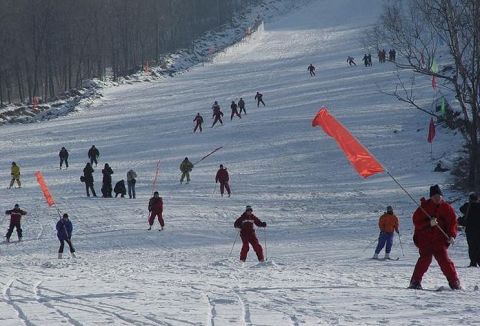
(388, 223)
(155, 207)
(64, 234)
(15, 217)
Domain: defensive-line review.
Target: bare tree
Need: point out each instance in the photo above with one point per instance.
(446, 34)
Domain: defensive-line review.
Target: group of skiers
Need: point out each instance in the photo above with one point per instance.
(236, 111)
(367, 59)
(435, 225)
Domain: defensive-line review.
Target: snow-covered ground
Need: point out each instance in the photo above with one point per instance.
(322, 217)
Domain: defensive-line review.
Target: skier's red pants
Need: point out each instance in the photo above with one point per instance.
(250, 239)
(428, 250)
(151, 219)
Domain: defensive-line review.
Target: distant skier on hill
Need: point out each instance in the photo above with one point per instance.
(388, 223)
(392, 54)
(311, 69)
(198, 122)
(217, 114)
(120, 189)
(222, 177)
(88, 179)
(241, 106)
(155, 207)
(64, 234)
(234, 107)
(429, 219)
(186, 167)
(15, 222)
(107, 181)
(246, 224)
(351, 61)
(131, 181)
(259, 98)
(63, 154)
(15, 173)
(93, 155)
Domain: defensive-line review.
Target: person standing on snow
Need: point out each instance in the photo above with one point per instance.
(15, 173)
(241, 106)
(198, 122)
(63, 154)
(131, 181)
(388, 223)
(234, 107)
(471, 222)
(247, 233)
(15, 222)
(222, 177)
(64, 234)
(155, 207)
(311, 69)
(88, 179)
(186, 167)
(217, 114)
(259, 98)
(93, 155)
(107, 181)
(429, 219)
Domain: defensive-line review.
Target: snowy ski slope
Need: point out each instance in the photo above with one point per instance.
(322, 217)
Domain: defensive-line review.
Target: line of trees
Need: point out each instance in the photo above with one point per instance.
(48, 47)
(424, 31)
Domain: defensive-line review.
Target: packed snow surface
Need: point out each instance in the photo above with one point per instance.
(322, 217)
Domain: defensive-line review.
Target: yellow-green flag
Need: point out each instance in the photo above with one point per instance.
(443, 111)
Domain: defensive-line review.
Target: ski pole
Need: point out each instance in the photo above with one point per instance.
(401, 246)
(265, 231)
(231, 250)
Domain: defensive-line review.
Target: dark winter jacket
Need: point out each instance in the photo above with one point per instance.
(120, 187)
(424, 233)
(471, 219)
(15, 215)
(241, 104)
(217, 113)
(198, 119)
(222, 176)
(245, 223)
(234, 107)
(107, 174)
(155, 205)
(64, 229)
(93, 152)
(258, 97)
(88, 174)
(63, 154)
(186, 166)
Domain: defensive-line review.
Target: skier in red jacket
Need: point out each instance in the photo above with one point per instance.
(222, 177)
(247, 233)
(15, 217)
(433, 216)
(155, 207)
(198, 122)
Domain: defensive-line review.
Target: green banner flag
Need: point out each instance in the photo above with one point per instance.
(443, 111)
(434, 67)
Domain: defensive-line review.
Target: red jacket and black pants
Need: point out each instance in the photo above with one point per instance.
(247, 234)
(155, 207)
(15, 217)
(431, 242)
(222, 177)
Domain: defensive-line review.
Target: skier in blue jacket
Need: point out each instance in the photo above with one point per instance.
(64, 234)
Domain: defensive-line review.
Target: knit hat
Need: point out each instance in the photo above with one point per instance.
(389, 209)
(435, 190)
(65, 215)
(16, 206)
(249, 208)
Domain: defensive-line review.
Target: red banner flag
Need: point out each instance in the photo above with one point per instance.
(362, 160)
(44, 187)
(431, 131)
(434, 82)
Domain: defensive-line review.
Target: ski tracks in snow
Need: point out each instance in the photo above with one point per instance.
(7, 297)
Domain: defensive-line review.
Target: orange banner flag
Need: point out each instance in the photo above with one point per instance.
(44, 187)
(362, 160)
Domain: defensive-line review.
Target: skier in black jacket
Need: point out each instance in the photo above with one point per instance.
(63, 154)
(471, 222)
(107, 181)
